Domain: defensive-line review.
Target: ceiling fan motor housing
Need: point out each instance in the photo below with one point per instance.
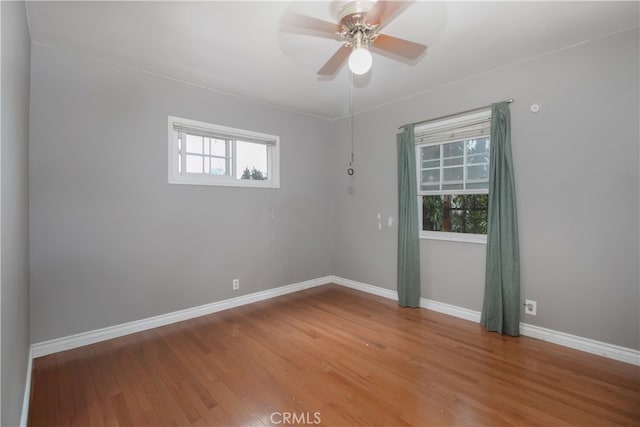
(354, 28)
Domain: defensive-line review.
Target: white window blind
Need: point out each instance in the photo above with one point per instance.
(207, 133)
(469, 126)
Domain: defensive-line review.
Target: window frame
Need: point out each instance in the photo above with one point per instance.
(448, 235)
(232, 136)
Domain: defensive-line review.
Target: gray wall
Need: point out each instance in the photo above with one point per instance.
(112, 242)
(14, 200)
(576, 166)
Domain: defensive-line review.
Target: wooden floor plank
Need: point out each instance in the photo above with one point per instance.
(333, 355)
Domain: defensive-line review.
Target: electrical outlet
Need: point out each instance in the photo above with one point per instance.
(236, 284)
(530, 307)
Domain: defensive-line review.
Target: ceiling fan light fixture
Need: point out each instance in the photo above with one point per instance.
(360, 60)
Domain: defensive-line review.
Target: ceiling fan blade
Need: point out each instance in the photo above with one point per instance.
(399, 47)
(382, 12)
(297, 23)
(335, 62)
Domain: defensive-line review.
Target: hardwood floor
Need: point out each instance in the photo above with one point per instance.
(333, 356)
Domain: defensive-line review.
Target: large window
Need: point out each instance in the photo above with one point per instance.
(453, 177)
(205, 154)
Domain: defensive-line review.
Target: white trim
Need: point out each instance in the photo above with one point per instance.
(91, 337)
(451, 310)
(440, 307)
(599, 348)
(454, 192)
(453, 237)
(610, 351)
(220, 181)
(364, 287)
(24, 417)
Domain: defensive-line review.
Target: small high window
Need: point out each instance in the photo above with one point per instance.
(207, 154)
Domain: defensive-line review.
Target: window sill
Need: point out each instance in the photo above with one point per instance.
(454, 237)
(222, 182)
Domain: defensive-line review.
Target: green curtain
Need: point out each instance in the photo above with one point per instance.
(501, 307)
(408, 244)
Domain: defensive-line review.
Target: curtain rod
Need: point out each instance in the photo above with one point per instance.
(453, 115)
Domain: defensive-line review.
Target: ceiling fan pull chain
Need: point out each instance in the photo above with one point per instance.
(350, 170)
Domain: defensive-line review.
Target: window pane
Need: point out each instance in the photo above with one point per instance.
(251, 160)
(453, 174)
(179, 163)
(218, 147)
(476, 146)
(478, 172)
(194, 163)
(457, 166)
(471, 213)
(430, 177)
(430, 153)
(218, 166)
(478, 158)
(455, 213)
(207, 146)
(432, 213)
(207, 162)
(453, 149)
(194, 145)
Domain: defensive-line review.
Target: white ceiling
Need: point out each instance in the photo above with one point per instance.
(240, 48)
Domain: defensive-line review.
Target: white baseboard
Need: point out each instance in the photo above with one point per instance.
(579, 343)
(91, 337)
(24, 416)
(440, 307)
(364, 287)
(451, 310)
(599, 348)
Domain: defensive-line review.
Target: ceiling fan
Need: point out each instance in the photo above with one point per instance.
(358, 27)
